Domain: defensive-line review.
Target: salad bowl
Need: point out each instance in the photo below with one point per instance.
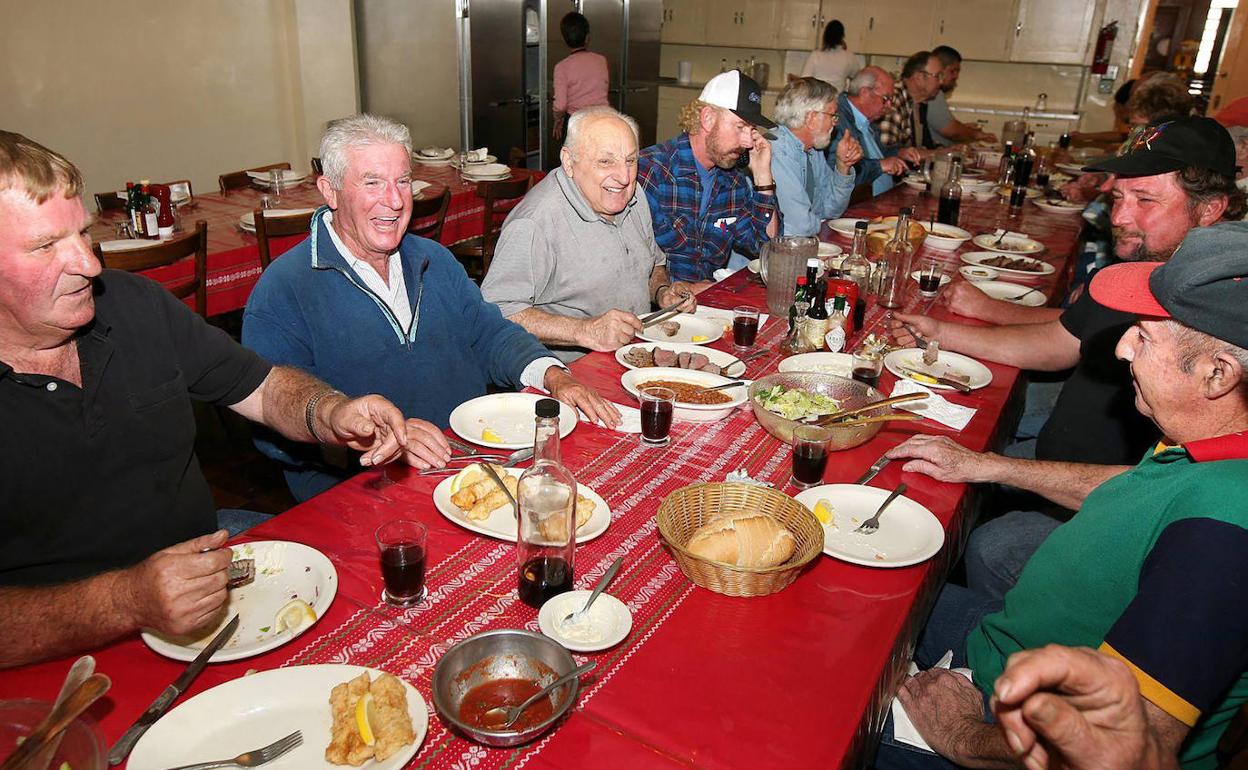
(785, 400)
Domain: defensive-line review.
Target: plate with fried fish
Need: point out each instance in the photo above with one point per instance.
(350, 716)
(473, 501)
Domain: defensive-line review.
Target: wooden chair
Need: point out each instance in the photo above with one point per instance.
(429, 214)
(518, 158)
(269, 227)
(316, 167)
(477, 253)
(108, 202)
(236, 180)
(190, 192)
(161, 253)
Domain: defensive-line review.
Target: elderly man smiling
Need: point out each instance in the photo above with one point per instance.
(577, 261)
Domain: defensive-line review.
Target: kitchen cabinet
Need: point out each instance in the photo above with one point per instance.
(1054, 31)
(684, 21)
(798, 28)
(978, 29)
(852, 14)
(742, 23)
(898, 27)
(671, 100)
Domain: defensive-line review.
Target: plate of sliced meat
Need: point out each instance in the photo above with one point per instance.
(678, 355)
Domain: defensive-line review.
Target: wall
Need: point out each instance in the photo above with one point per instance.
(225, 84)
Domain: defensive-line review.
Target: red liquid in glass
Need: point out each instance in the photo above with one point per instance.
(929, 284)
(744, 331)
(868, 376)
(542, 578)
(809, 463)
(656, 420)
(403, 571)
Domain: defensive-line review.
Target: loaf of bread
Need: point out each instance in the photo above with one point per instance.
(744, 539)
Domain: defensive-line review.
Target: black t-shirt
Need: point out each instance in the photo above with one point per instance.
(101, 477)
(1095, 419)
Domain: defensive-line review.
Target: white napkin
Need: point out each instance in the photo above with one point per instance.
(418, 185)
(903, 728)
(478, 155)
(630, 418)
(934, 407)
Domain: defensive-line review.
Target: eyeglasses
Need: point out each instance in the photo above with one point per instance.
(938, 75)
(886, 97)
(832, 115)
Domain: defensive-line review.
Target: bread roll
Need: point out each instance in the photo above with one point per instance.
(744, 539)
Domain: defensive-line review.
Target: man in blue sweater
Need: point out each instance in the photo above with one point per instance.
(370, 309)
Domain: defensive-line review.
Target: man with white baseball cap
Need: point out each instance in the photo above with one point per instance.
(704, 206)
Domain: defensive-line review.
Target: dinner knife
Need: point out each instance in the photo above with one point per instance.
(121, 749)
(957, 385)
(515, 504)
(875, 468)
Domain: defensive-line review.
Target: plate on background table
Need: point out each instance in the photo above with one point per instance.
(508, 417)
(501, 523)
(126, 244)
(845, 225)
(1004, 290)
(1072, 168)
(718, 357)
(1059, 207)
(909, 533)
(694, 329)
(995, 259)
(947, 364)
(284, 571)
(248, 221)
(1010, 244)
(252, 711)
(840, 364)
(426, 154)
(288, 176)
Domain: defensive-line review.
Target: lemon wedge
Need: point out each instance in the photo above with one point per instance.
(362, 719)
(920, 377)
(458, 479)
(491, 436)
(700, 338)
(823, 511)
(294, 615)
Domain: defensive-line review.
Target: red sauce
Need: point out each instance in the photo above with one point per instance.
(504, 693)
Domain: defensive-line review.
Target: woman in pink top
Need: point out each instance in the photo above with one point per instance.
(581, 77)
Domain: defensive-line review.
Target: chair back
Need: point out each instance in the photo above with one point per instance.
(162, 253)
(429, 215)
(108, 202)
(500, 198)
(270, 227)
(237, 180)
(518, 158)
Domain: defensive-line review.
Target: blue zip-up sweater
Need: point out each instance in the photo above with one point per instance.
(309, 310)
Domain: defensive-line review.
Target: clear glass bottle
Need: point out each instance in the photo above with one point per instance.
(1006, 167)
(546, 536)
(895, 263)
(950, 207)
(857, 268)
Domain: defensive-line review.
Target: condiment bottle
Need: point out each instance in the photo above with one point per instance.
(799, 295)
(1025, 161)
(801, 303)
(132, 207)
(1007, 163)
(895, 263)
(546, 530)
(149, 214)
(838, 323)
(164, 216)
(817, 318)
(950, 206)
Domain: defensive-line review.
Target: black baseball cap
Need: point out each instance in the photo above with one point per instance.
(1204, 285)
(1172, 144)
(738, 94)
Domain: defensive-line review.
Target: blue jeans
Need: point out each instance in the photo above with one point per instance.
(236, 520)
(999, 549)
(958, 611)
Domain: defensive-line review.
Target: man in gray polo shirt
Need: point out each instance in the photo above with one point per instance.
(576, 262)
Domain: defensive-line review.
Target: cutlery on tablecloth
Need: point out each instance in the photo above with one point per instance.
(875, 468)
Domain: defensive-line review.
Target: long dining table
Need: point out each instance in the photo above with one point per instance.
(233, 253)
(799, 678)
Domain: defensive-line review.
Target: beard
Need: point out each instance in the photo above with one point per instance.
(822, 141)
(723, 153)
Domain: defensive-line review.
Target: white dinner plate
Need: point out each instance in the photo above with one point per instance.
(252, 711)
(486, 169)
(1064, 207)
(508, 415)
(980, 257)
(501, 523)
(1005, 290)
(284, 571)
(126, 244)
(694, 329)
(248, 220)
(435, 162)
(828, 250)
(978, 272)
(1073, 168)
(944, 277)
(482, 161)
(635, 379)
(434, 153)
(717, 357)
(948, 363)
(840, 364)
(1011, 244)
(909, 533)
(845, 225)
(915, 184)
(617, 620)
(753, 266)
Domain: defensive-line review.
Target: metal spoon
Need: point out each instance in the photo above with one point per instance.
(502, 717)
(607, 577)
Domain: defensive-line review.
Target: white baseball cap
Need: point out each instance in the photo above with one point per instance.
(738, 94)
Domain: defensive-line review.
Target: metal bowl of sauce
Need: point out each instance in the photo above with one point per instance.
(502, 668)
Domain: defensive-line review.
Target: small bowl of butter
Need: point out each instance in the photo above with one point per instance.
(605, 625)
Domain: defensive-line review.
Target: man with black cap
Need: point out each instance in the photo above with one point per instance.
(1171, 177)
(704, 207)
(1151, 569)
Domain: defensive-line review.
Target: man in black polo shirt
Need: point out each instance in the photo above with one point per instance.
(102, 503)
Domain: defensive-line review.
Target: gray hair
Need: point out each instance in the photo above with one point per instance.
(573, 139)
(865, 80)
(802, 97)
(1193, 344)
(1239, 134)
(357, 131)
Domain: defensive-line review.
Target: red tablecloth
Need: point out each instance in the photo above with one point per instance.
(234, 257)
(797, 679)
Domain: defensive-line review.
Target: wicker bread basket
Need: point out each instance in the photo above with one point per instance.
(690, 507)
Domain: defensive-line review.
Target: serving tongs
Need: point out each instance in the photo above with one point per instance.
(663, 313)
(837, 417)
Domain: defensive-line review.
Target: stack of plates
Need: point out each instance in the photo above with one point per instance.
(434, 156)
(287, 176)
(486, 171)
(248, 221)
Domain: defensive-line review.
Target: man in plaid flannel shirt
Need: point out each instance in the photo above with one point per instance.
(703, 207)
(904, 124)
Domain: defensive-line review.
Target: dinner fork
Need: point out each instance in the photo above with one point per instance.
(255, 757)
(1024, 294)
(869, 526)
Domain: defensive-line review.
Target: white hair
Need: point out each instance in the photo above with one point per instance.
(864, 80)
(357, 131)
(573, 140)
(802, 97)
(1239, 134)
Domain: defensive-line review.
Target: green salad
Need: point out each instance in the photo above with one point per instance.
(796, 404)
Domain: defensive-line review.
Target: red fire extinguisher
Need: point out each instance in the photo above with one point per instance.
(1104, 44)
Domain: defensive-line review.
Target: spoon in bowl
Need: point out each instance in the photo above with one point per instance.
(607, 577)
(502, 717)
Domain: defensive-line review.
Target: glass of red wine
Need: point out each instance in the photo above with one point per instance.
(867, 367)
(401, 544)
(744, 327)
(931, 274)
(657, 405)
(810, 455)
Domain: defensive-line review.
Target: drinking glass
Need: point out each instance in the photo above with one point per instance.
(275, 186)
(657, 406)
(401, 545)
(810, 455)
(931, 273)
(867, 367)
(744, 327)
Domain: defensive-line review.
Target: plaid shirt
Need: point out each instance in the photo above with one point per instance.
(897, 123)
(696, 246)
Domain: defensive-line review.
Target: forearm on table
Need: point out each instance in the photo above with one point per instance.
(39, 623)
(1044, 347)
(549, 328)
(1066, 484)
(1008, 313)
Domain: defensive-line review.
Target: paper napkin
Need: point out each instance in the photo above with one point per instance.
(630, 418)
(903, 728)
(934, 407)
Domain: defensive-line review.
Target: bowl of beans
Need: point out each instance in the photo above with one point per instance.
(694, 402)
